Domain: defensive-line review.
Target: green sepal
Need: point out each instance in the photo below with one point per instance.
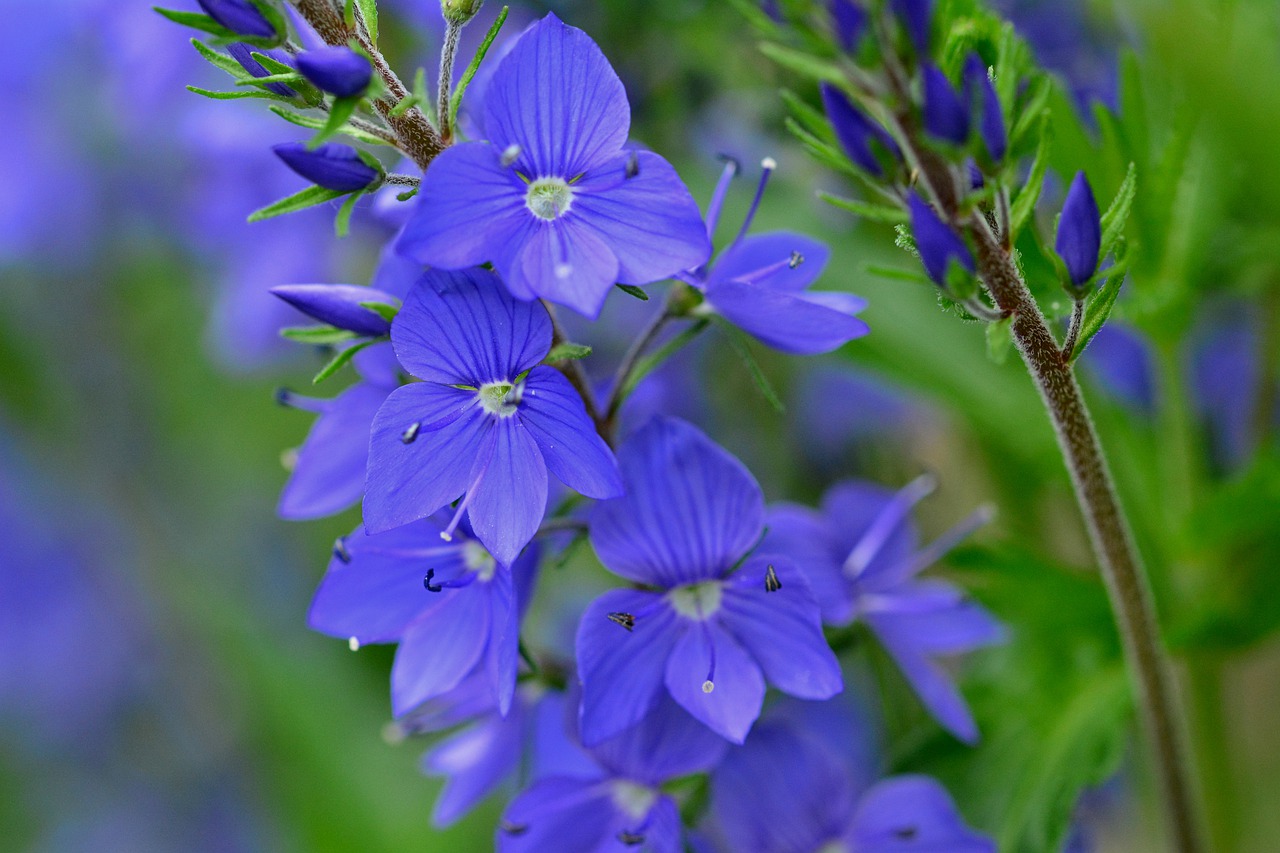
(318, 335)
(1024, 204)
(382, 309)
(873, 212)
(290, 78)
(309, 197)
(339, 359)
(1099, 307)
(405, 104)
(340, 110)
(342, 222)
(739, 343)
(220, 60)
(316, 123)
(261, 94)
(313, 96)
(1113, 221)
(407, 194)
(567, 351)
(368, 11)
(632, 290)
(455, 102)
(1029, 114)
(1000, 340)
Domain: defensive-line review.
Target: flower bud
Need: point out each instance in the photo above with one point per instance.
(946, 116)
(337, 70)
(339, 305)
(982, 97)
(1080, 231)
(938, 244)
(239, 16)
(850, 21)
(458, 12)
(243, 54)
(917, 17)
(858, 135)
(332, 166)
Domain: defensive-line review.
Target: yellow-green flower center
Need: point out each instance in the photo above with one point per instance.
(549, 198)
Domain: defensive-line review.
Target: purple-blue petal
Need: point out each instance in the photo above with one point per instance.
(416, 470)
(333, 165)
(857, 134)
(440, 647)
(917, 17)
(795, 323)
(690, 511)
(564, 262)
(560, 813)
(243, 54)
(1080, 231)
(573, 450)
(339, 305)
(475, 761)
(337, 70)
(239, 16)
(913, 814)
(938, 244)
(746, 260)
(556, 97)
(991, 117)
(510, 498)
(850, 22)
(946, 115)
(622, 671)
(464, 328)
(666, 744)
(706, 652)
(808, 539)
(781, 628)
(504, 641)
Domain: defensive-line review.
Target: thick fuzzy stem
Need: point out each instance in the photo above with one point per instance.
(1112, 543)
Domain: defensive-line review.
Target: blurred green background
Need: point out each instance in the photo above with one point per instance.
(159, 689)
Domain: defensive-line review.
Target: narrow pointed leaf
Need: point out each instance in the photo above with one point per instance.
(309, 197)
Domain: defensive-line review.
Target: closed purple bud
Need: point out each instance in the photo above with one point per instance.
(243, 54)
(856, 132)
(771, 8)
(850, 21)
(937, 243)
(982, 95)
(332, 166)
(337, 70)
(1080, 231)
(239, 16)
(917, 17)
(339, 305)
(946, 116)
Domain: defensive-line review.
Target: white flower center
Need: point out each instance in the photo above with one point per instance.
(699, 601)
(500, 398)
(634, 799)
(479, 560)
(549, 198)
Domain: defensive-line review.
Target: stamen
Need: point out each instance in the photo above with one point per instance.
(771, 582)
(626, 620)
(886, 523)
(447, 533)
(710, 683)
(935, 550)
(768, 165)
(510, 155)
(757, 276)
(411, 434)
(633, 165)
(431, 573)
(731, 169)
(315, 405)
(796, 260)
(631, 839)
(353, 643)
(340, 549)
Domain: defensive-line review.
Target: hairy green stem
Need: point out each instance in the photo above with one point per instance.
(445, 86)
(1113, 545)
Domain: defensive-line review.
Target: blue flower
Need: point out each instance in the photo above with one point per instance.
(621, 805)
(917, 17)
(850, 22)
(553, 199)
(243, 54)
(329, 471)
(982, 96)
(861, 556)
(760, 284)
(946, 115)
(1079, 231)
(452, 608)
(339, 305)
(1123, 362)
(866, 143)
(706, 630)
(940, 247)
(785, 792)
(240, 16)
(337, 70)
(486, 422)
(333, 166)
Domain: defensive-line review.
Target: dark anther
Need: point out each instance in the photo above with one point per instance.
(796, 260)
(340, 549)
(906, 833)
(513, 828)
(631, 839)
(729, 158)
(283, 395)
(626, 620)
(427, 582)
(633, 165)
(411, 433)
(771, 582)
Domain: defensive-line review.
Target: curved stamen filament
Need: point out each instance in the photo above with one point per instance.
(874, 539)
(768, 165)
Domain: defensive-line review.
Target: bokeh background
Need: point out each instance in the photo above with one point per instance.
(159, 689)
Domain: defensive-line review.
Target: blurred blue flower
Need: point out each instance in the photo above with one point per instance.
(1122, 362)
(239, 16)
(861, 138)
(939, 245)
(333, 165)
(946, 115)
(982, 97)
(339, 71)
(243, 54)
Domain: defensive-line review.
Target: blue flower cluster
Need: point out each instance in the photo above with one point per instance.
(464, 409)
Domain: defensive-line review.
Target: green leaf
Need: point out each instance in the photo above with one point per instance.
(236, 96)
(1099, 309)
(999, 340)
(220, 60)
(318, 335)
(339, 359)
(567, 351)
(1031, 112)
(739, 343)
(654, 360)
(873, 212)
(461, 89)
(316, 123)
(342, 222)
(632, 290)
(382, 309)
(309, 197)
(291, 78)
(340, 109)
(368, 11)
(1113, 221)
(802, 63)
(811, 119)
(897, 274)
(1024, 205)
(196, 21)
